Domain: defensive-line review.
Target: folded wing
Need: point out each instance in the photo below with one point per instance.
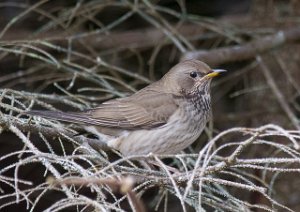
(139, 111)
(136, 111)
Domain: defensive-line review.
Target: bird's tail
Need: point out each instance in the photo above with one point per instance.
(79, 118)
(72, 117)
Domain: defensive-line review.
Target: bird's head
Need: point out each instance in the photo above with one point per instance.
(189, 77)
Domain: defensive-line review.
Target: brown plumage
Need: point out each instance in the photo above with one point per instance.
(164, 117)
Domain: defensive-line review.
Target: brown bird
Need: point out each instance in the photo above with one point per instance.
(163, 118)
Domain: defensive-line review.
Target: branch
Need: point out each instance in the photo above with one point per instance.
(277, 93)
(123, 185)
(52, 132)
(137, 38)
(247, 51)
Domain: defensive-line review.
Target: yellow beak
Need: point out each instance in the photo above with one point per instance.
(215, 73)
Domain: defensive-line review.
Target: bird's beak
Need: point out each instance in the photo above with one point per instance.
(215, 72)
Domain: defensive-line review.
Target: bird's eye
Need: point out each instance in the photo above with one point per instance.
(193, 74)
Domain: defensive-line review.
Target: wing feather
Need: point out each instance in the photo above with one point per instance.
(137, 112)
(142, 110)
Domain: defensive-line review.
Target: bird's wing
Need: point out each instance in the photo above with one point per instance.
(140, 111)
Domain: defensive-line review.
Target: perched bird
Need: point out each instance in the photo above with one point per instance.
(163, 118)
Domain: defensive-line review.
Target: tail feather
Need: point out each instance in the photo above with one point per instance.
(72, 117)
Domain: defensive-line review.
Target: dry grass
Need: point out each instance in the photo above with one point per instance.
(82, 54)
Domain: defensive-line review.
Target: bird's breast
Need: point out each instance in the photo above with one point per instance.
(201, 103)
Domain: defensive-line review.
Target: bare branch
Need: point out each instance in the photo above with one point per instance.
(246, 51)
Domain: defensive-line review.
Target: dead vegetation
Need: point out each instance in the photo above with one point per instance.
(71, 56)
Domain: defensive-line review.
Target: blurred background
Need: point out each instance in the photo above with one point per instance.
(73, 55)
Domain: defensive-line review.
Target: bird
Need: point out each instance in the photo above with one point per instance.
(164, 117)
